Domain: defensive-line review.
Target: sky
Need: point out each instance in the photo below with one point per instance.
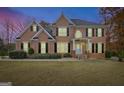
(51, 14)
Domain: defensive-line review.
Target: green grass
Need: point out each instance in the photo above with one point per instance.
(63, 73)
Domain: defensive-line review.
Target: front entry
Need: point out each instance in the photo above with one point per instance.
(78, 49)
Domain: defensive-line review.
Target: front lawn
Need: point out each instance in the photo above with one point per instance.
(63, 73)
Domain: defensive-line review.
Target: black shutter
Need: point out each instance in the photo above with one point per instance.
(92, 47)
(67, 31)
(102, 47)
(96, 48)
(39, 47)
(68, 47)
(56, 31)
(46, 47)
(21, 46)
(37, 28)
(31, 28)
(96, 32)
(93, 32)
(86, 32)
(28, 45)
(102, 32)
(55, 47)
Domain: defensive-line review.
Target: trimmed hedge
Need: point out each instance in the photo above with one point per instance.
(17, 55)
(45, 56)
(67, 55)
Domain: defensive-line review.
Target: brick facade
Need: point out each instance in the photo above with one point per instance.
(34, 38)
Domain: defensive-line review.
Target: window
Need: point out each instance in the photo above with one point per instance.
(25, 46)
(43, 47)
(89, 32)
(90, 47)
(62, 31)
(78, 34)
(99, 47)
(99, 32)
(34, 28)
(62, 47)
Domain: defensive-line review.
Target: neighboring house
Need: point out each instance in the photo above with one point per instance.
(66, 35)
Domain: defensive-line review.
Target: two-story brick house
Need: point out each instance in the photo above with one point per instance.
(74, 36)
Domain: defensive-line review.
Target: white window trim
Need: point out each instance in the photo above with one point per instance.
(78, 34)
(25, 46)
(34, 28)
(90, 32)
(62, 31)
(99, 32)
(43, 47)
(62, 47)
(90, 47)
(99, 47)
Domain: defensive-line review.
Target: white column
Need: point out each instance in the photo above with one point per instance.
(73, 44)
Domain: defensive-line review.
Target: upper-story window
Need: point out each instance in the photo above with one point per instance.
(62, 31)
(78, 34)
(90, 32)
(34, 28)
(99, 32)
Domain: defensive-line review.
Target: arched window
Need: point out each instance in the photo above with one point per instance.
(78, 34)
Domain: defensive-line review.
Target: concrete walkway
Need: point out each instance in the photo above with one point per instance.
(29, 60)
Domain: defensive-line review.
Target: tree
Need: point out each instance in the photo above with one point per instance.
(1, 44)
(114, 19)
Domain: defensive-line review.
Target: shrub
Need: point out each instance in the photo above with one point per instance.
(55, 56)
(30, 51)
(67, 55)
(120, 55)
(45, 56)
(109, 54)
(17, 55)
(3, 53)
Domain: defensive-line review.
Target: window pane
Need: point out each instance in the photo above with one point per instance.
(78, 34)
(99, 32)
(62, 47)
(99, 48)
(89, 32)
(62, 32)
(34, 28)
(90, 47)
(25, 46)
(43, 47)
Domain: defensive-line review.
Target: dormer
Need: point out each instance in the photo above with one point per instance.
(34, 28)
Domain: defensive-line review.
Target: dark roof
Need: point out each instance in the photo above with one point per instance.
(83, 22)
(49, 30)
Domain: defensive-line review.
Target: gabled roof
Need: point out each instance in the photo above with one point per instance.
(25, 29)
(43, 29)
(34, 36)
(83, 22)
(62, 15)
